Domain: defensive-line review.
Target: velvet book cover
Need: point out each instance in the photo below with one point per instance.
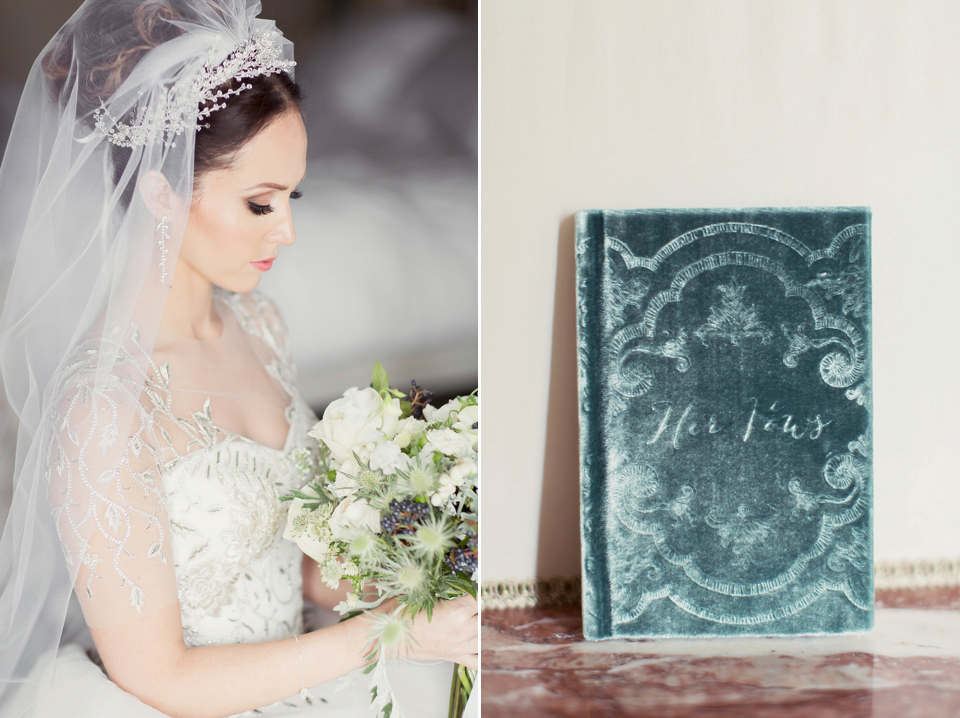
(725, 421)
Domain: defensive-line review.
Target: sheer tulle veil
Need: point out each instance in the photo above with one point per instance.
(85, 264)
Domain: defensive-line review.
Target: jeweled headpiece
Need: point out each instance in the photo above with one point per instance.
(188, 104)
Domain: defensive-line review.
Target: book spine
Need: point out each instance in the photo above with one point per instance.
(589, 245)
(868, 328)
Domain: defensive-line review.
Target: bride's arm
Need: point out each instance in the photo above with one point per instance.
(316, 591)
(111, 515)
(149, 659)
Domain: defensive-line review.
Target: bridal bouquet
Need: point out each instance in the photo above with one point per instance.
(393, 506)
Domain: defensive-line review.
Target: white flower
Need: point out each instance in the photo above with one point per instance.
(444, 491)
(388, 457)
(436, 416)
(449, 442)
(407, 430)
(390, 411)
(331, 572)
(462, 470)
(308, 529)
(356, 423)
(353, 603)
(299, 518)
(346, 483)
(316, 546)
(352, 515)
(468, 423)
(466, 418)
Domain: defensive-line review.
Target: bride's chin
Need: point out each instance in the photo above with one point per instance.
(242, 285)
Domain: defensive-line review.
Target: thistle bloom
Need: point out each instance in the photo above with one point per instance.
(390, 630)
(432, 538)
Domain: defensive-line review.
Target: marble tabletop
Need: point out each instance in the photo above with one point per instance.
(536, 663)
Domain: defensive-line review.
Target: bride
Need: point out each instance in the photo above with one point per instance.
(146, 188)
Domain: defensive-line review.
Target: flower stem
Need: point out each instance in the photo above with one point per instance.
(459, 690)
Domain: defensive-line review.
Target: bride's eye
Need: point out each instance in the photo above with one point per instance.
(259, 209)
(296, 194)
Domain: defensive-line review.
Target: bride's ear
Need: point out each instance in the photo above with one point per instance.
(157, 194)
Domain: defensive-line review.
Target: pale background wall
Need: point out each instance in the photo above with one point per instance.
(628, 104)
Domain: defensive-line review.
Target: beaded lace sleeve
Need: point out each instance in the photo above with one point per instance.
(108, 443)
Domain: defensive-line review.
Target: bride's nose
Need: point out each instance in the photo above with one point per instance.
(283, 232)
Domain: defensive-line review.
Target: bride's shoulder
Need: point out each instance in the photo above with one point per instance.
(104, 407)
(112, 362)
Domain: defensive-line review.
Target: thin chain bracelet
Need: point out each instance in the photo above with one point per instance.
(304, 693)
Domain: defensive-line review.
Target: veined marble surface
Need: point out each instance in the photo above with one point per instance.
(536, 663)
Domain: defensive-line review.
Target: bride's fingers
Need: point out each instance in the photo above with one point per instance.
(468, 602)
(466, 653)
(470, 660)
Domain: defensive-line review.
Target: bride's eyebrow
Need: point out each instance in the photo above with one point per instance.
(271, 185)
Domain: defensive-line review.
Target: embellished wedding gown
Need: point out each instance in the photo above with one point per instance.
(185, 507)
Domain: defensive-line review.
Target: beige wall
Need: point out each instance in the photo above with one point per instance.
(624, 104)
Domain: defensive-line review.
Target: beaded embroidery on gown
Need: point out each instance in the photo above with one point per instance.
(183, 490)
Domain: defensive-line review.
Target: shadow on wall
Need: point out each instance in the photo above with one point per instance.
(558, 552)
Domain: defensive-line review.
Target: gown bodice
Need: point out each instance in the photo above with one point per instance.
(186, 489)
(238, 581)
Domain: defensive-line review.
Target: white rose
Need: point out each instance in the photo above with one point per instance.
(387, 457)
(449, 442)
(351, 515)
(359, 419)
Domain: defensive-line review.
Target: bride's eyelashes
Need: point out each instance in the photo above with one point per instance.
(262, 209)
(259, 209)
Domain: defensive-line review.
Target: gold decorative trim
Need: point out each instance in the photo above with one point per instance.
(914, 575)
(900, 576)
(532, 592)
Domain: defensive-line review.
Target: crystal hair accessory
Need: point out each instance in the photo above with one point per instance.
(188, 104)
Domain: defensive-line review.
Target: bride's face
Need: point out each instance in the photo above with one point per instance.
(241, 216)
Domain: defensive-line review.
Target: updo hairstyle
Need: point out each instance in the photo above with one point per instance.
(108, 41)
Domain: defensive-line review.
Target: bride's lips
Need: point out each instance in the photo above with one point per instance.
(264, 265)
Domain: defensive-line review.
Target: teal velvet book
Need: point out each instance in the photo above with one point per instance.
(725, 421)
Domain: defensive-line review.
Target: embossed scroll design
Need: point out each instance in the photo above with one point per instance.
(839, 368)
(640, 506)
(641, 503)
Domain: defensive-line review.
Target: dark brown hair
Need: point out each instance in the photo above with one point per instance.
(98, 50)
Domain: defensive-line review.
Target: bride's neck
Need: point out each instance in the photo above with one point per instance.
(189, 309)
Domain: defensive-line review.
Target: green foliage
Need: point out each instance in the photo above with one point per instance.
(381, 382)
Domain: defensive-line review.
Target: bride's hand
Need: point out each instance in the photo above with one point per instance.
(450, 635)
